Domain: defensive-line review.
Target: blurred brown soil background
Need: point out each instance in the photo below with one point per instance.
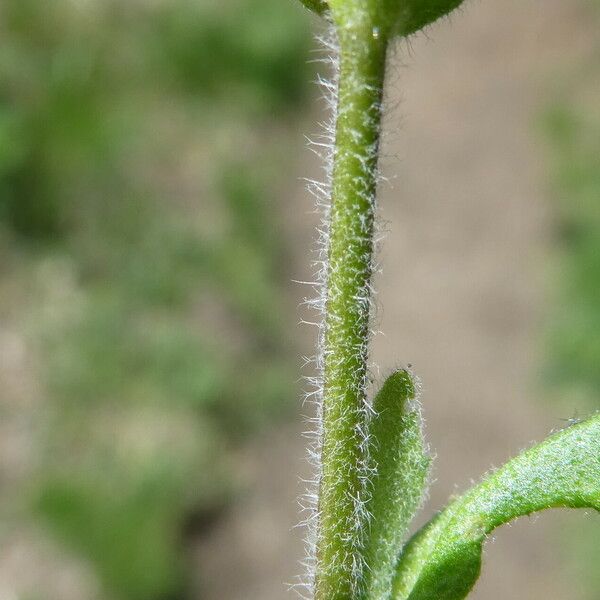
(461, 292)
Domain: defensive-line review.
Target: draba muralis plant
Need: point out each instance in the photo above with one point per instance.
(370, 456)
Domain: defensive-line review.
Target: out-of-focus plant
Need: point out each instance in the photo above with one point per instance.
(570, 375)
(574, 338)
(572, 349)
(370, 457)
(157, 308)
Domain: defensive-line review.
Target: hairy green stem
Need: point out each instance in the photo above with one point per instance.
(342, 522)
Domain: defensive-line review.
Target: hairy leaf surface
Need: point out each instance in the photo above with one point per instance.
(399, 465)
(443, 560)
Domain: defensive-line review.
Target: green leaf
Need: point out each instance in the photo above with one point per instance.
(317, 6)
(443, 560)
(399, 465)
(388, 17)
(417, 14)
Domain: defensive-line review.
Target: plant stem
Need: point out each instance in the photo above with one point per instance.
(362, 54)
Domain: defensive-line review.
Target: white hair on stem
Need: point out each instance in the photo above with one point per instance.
(324, 146)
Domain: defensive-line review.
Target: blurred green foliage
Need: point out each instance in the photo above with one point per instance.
(575, 332)
(135, 142)
(571, 373)
(572, 127)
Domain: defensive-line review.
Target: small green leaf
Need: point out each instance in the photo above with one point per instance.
(399, 466)
(317, 6)
(417, 14)
(388, 17)
(443, 560)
